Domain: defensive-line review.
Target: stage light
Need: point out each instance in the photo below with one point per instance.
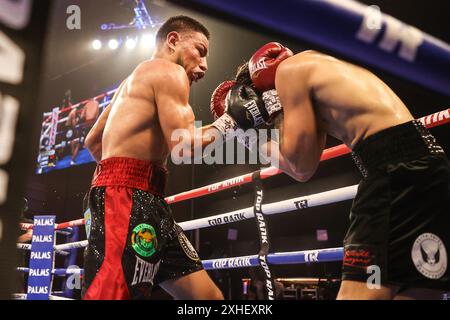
(148, 40)
(96, 44)
(130, 43)
(113, 44)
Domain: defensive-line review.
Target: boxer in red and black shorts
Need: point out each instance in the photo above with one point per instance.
(134, 242)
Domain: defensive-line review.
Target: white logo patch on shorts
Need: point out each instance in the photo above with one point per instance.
(187, 247)
(429, 256)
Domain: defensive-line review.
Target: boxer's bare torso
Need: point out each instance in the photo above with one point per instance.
(323, 95)
(132, 129)
(350, 103)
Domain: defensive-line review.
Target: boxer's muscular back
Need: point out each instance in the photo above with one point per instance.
(132, 129)
(350, 102)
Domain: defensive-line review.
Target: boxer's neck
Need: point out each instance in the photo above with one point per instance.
(164, 53)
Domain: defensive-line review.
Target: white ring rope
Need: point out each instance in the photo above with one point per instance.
(304, 202)
(27, 246)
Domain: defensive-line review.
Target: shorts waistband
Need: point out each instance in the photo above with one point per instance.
(131, 173)
(404, 142)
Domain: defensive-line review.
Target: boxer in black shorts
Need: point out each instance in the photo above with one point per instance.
(134, 243)
(400, 216)
(399, 223)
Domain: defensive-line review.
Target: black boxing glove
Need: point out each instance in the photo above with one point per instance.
(246, 107)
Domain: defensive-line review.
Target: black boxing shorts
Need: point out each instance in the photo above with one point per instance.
(134, 243)
(399, 223)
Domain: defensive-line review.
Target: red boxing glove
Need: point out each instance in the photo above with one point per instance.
(218, 105)
(264, 63)
(218, 98)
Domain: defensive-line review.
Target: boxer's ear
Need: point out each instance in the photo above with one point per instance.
(172, 40)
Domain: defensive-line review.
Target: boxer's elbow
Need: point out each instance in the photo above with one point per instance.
(303, 177)
(302, 168)
(94, 150)
(93, 140)
(96, 153)
(93, 146)
(302, 171)
(89, 142)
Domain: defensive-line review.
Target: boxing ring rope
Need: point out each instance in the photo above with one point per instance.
(298, 203)
(294, 257)
(430, 121)
(57, 271)
(72, 245)
(58, 248)
(26, 246)
(23, 296)
(72, 223)
(58, 226)
(29, 226)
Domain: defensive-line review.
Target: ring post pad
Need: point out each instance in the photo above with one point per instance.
(41, 258)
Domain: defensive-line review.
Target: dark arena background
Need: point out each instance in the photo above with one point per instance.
(77, 64)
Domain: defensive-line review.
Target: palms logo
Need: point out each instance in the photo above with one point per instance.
(143, 240)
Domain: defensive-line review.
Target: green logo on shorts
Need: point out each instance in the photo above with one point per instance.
(143, 240)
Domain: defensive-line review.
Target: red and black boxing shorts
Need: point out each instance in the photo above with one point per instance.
(134, 243)
(400, 218)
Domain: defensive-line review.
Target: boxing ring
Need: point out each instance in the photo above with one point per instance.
(263, 259)
(411, 54)
(55, 137)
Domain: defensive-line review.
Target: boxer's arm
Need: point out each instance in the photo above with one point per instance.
(83, 114)
(270, 150)
(302, 140)
(71, 118)
(175, 114)
(25, 237)
(93, 140)
(97, 110)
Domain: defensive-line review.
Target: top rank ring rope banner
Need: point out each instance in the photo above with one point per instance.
(263, 232)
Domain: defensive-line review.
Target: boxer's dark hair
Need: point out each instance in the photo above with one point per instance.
(179, 24)
(243, 75)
